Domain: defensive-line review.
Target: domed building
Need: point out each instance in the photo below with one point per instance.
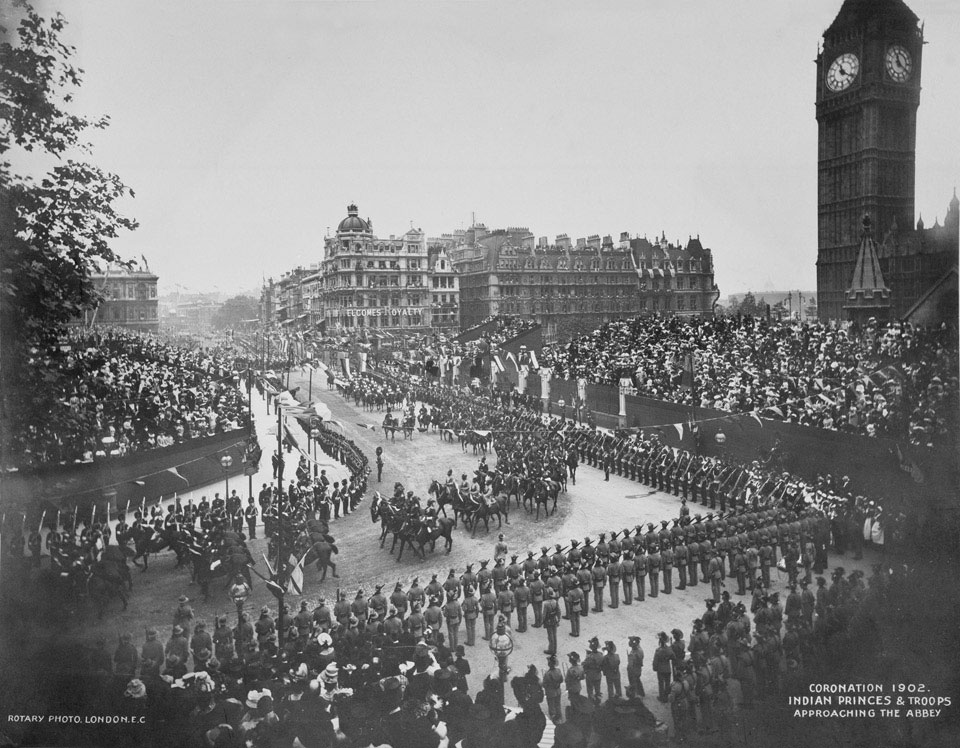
(375, 283)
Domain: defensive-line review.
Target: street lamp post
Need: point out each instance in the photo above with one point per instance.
(314, 435)
(240, 591)
(225, 462)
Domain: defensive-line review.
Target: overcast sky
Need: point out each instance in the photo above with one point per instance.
(245, 128)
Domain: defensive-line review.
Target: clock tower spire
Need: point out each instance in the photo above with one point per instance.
(868, 91)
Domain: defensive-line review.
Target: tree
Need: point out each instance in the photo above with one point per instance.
(234, 311)
(55, 229)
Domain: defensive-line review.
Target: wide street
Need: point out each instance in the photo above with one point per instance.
(586, 509)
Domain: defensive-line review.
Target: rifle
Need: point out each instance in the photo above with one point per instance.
(43, 516)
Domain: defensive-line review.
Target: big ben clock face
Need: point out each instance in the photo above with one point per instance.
(843, 71)
(898, 62)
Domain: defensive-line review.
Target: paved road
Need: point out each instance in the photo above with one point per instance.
(588, 508)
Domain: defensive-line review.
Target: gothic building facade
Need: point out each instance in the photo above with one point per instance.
(868, 92)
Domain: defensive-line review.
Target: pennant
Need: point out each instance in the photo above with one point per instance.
(498, 364)
(756, 417)
(533, 360)
(275, 589)
(511, 357)
(679, 428)
(140, 482)
(176, 472)
(826, 399)
(776, 410)
(367, 426)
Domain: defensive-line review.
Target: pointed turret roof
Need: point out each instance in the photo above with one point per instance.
(856, 13)
(867, 288)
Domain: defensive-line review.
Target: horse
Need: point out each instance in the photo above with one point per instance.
(235, 561)
(389, 427)
(508, 484)
(387, 514)
(409, 424)
(118, 554)
(424, 535)
(543, 491)
(477, 440)
(446, 496)
(489, 506)
(104, 582)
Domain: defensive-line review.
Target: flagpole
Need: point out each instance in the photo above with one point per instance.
(280, 527)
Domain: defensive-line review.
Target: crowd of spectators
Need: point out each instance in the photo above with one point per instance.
(894, 379)
(106, 393)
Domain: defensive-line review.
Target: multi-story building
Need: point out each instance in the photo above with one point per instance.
(375, 283)
(868, 92)
(129, 299)
(570, 288)
(444, 291)
(311, 294)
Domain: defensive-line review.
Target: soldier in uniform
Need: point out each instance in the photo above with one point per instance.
(544, 562)
(529, 564)
(739, 568)
(183, 615)
(635, 666)
(433, 588)
(593, 670)
(585, 581)
(484, 575)
(599, 576)
(715, 575)
(628, 571)
(415, 594)
(552, 683)
(654, 564)
(398, 599)
(341, 609)
(470, 608)
(551, 620)
(642, 563)
(514, 570)
(488, 607)
(610, 666)
(666, 563)
(251, 515)
(322, 617)
(538, 590)
(453, 615)
(500, 550)
(499, 575)
(415, 621)
(574, 675)
(614, 573)
(575, 604)
(521, 600)
(468, 578)
(505, 604)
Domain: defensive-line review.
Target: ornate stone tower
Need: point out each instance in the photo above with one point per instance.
(868, 90)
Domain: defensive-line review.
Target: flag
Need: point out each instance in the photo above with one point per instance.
(275, 589)
(511, 357)
(533, 360)
(498, 364)
(367, 426)
(679, 428)
(177, 473)
(295, 584)
(826, 399)
(756, 417)
(776, 410)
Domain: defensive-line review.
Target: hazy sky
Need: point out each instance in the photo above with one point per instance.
(245, 128)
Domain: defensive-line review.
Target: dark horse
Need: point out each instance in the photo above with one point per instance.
(447, 496)
(409, 424)
(147, 540)
(389, 426)
(490, 506)
(233, 560)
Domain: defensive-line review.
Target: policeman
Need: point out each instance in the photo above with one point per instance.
(251, 515)
(470, 608)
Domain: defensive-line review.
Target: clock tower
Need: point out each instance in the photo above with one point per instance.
(868, 91)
